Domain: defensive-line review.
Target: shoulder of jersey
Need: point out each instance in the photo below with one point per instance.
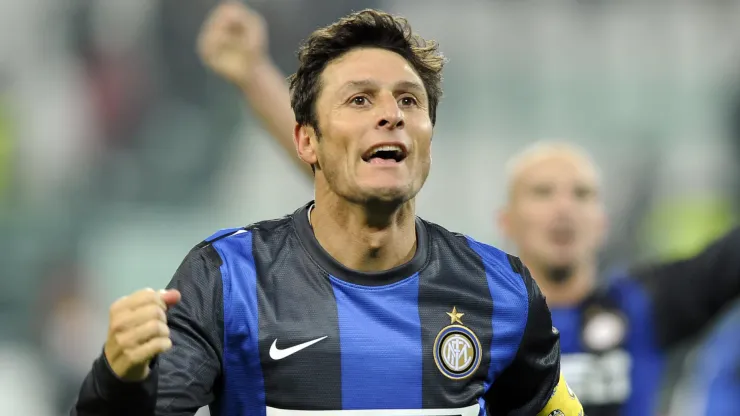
(508, 264)
(497, 259)
(264, 226)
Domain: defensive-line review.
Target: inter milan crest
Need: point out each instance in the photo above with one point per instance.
(457, 351)
(603, 329)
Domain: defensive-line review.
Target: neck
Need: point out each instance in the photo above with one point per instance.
(569, 292)
(364, 238)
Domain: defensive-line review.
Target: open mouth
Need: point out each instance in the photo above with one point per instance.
(387, 153)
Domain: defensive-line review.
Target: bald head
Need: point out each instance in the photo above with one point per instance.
(554, 213)
(541, 154)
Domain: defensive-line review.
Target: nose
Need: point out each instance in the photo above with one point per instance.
(391, 116)
(564, 202)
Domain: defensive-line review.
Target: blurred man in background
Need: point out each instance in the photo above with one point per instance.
(615, 331)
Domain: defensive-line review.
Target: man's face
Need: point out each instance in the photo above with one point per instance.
(375, 128)
(555, 214)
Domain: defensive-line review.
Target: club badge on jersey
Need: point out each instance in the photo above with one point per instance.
(604, 329)
(457, 350)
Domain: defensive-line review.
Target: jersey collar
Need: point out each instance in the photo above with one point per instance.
(339, 271)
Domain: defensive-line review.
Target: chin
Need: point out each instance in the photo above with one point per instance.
(387, 196)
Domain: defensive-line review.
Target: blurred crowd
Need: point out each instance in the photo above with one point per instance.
(119, 150)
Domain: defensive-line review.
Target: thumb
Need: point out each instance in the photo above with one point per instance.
(170, 297)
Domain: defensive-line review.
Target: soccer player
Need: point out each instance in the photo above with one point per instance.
(352, 302)
(614, 331)
(617, 333)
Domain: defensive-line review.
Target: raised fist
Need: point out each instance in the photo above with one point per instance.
(137, 332)
(233, 41)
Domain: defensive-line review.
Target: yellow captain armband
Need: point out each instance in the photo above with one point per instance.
(563, 402)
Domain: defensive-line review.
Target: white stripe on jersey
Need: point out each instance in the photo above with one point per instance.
(463, 411)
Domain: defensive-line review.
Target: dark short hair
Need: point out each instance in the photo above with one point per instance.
(367, 28)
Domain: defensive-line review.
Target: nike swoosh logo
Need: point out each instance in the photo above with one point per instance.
(278, 354)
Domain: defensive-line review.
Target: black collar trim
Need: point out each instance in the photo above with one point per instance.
(339, 271)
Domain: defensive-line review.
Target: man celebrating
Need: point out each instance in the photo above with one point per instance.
(352, 302)
(614, 335)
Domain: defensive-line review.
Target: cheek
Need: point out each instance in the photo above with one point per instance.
(424, 140)
(537, 216)
(424, 158)
(529, 224)
(595, 226)
(426, 152)
(332, 146)
(343, 140)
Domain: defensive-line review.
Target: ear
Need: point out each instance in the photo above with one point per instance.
(503, 221)
(302, 136)
(430, 152)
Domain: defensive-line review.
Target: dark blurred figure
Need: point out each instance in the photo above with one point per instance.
(734, 134)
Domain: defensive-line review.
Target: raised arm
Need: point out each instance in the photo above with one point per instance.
(233, 43)
(687, 294)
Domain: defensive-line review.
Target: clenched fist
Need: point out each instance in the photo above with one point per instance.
(137, 332)
(233, 41)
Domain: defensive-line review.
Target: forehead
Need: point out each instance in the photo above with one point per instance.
(381, 66)
(555, 167)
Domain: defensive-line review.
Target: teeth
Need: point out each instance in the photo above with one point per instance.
(388, 148)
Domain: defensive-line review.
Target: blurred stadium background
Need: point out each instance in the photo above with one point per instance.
(119, 151)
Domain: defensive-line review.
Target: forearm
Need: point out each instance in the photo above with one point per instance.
(267, 93)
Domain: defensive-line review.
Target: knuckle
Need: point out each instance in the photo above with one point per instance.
(118, 304)
(151, 297)
(157, 313)
(119, 339)
(132, 357)
(146, 295)
(152, 327)
(164, 330)
(166, 344)
(116, 324)
(142, 293)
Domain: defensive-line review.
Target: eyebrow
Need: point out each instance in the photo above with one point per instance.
(366, 84)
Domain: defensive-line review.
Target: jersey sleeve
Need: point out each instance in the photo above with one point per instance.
(532, 384)
(689, 293)
(183, 379)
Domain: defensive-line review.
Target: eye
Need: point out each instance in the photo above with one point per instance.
(407, 101)
(583, 193)
(542, 191)
(359, 100)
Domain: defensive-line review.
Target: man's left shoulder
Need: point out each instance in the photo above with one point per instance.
(503, 270)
